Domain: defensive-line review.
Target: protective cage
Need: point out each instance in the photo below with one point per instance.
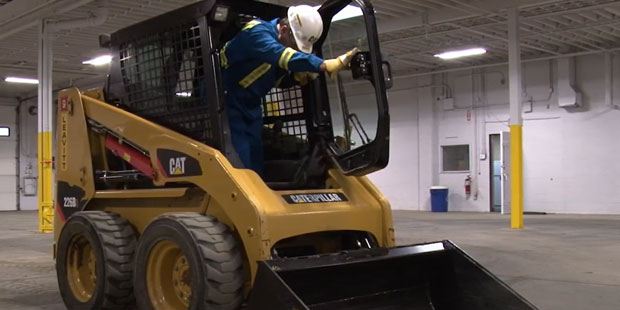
(166, 73)
(163, 74)
(285, 132)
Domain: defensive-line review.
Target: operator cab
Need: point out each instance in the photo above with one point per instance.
(342, 121)
(168, 71)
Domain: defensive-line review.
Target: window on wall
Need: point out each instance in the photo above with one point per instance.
(455, 158)
(5, 131)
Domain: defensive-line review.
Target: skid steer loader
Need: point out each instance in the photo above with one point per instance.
(154, 209)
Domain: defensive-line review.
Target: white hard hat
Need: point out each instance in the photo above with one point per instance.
(306, 25)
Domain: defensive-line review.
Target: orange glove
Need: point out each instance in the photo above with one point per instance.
(333, 66)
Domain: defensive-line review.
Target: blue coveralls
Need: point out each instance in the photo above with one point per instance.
(254, 62)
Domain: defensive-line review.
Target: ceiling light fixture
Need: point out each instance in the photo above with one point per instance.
(462, 53)
(349, 11)
(12, 79)
(99, 61)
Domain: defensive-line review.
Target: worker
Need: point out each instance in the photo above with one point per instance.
(259, 58)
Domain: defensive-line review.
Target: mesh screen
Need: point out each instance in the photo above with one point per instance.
(285, 124)
(164, 82)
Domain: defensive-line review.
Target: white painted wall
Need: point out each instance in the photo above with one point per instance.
(27, 129)
(570, 156)
(8, 158)
(28, 151)
(400, 183)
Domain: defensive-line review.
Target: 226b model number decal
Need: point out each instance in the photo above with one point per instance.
(70, 202)
(315, 198)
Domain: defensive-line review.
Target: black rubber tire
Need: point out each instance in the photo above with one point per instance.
(113, 241)
(211, 249)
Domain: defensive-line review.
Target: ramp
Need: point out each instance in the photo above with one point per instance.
(426, 276)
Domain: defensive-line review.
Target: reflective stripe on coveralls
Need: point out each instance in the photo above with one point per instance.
(255, 75)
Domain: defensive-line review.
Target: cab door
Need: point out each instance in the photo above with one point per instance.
(357, 98)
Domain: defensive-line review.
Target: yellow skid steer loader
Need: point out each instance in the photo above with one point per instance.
(154, 209)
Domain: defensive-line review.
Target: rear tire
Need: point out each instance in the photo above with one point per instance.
(188, 261)
(94, 261)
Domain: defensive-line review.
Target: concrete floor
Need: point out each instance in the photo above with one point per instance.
(556, 262)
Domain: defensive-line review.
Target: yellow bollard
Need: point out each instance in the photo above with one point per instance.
(516, 174)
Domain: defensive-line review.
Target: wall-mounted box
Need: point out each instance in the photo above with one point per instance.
(30, 186)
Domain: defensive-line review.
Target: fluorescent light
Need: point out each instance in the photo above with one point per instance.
(349, 11)
(462, 53)
(184, 94)
(99, 61)
(12, 79)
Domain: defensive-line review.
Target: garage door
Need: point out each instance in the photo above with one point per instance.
(8, 178)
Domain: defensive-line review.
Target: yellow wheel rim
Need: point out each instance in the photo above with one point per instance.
(81, 268)
(168, 277)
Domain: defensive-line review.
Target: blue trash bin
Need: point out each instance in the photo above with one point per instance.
(439, 199)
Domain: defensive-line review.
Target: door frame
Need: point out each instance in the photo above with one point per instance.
(491, 176)
(14, 135)
(506, 178)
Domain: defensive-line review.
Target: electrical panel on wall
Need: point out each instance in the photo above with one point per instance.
(446, 103)
(30, 186)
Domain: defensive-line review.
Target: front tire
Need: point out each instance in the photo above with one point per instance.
(188, 261)
(94, 261)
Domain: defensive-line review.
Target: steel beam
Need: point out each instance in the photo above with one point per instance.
(44, 139)
(609, 80)
(17, 16)
(516, 120)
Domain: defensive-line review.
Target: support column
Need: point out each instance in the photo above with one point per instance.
(44, 140)
(609, 80)
(516, 120)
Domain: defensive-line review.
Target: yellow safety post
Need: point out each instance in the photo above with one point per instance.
(45, 183)
(516, 121)
(516, 173)
(45, 190)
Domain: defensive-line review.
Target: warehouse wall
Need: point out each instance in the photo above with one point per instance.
(28, 151)
(413, 141)
(404, 150)
(8, 160)
(570, 154)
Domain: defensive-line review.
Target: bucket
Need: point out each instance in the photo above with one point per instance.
(433, 276)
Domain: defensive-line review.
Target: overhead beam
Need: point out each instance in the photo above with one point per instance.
(412, 62)
(56, 70)
(15, 10)
(447, 16)
(17, 16)
(491, 8)
(484, 34)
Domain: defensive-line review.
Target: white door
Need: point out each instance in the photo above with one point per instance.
(505, 162)
(8, 162)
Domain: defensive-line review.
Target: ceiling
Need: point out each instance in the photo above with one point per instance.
(411, 32)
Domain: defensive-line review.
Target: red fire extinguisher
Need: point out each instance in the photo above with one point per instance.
(468, 187)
